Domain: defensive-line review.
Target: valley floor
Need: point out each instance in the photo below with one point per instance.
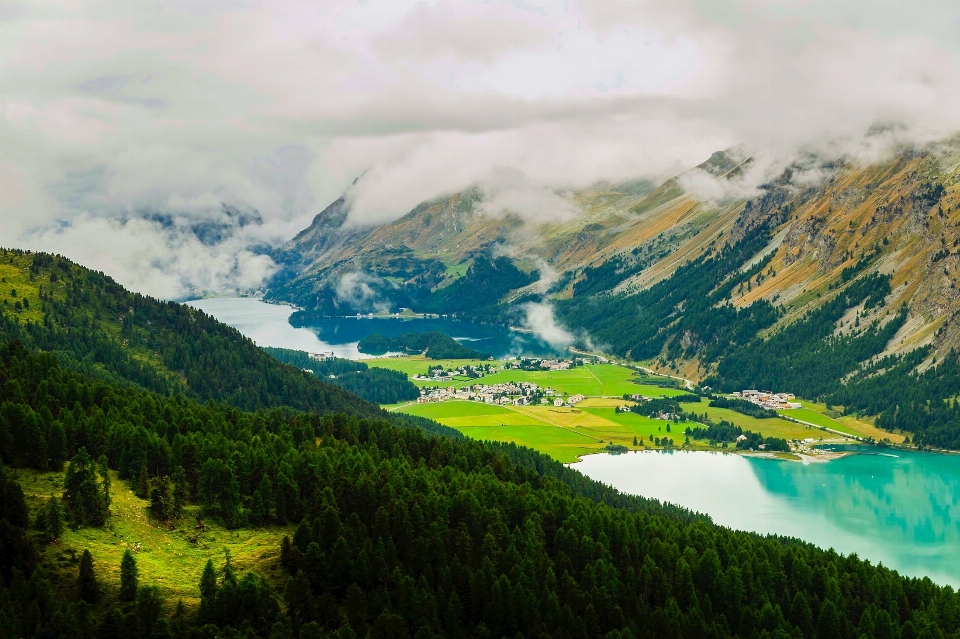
(567, 433)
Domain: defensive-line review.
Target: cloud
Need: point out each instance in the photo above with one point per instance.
(181, 107)
(359, 291)
(540, 320)
(166, 260)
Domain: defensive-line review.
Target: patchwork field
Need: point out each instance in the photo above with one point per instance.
(165, 556)
(591, 380)
(566, 433)
(563, 433)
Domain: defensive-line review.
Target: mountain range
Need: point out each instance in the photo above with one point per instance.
(833, 280)
(812, 225)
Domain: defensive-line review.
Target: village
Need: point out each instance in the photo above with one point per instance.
(515, 393)
(440, 374)
(766, 399)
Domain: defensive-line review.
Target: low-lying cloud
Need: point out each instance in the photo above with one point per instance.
(180, 108)
(540, 320)
(358, 290)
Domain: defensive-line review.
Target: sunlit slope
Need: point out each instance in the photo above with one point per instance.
(170, 556)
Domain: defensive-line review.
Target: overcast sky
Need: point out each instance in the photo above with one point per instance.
(123, 125)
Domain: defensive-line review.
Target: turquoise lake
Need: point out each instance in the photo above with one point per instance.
(900, 508)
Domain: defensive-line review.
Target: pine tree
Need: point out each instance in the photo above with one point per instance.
(149, 609)
(83, 491)
(104, 470)
(258, 515)
(54, 518)
(208, 592)
(128, 577)
(161, 501)
(87, 579)
(266, 492)
(56, 446)
(143, 483)
(828, 626)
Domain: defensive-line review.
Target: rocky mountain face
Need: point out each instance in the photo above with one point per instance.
(819, 227)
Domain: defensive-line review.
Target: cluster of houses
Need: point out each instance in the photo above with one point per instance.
(440, 375)
(766, 399)
(542, 364)
(515, 393)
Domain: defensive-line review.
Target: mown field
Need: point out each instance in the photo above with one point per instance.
(592, 380)
(563, 433)
(165, 555)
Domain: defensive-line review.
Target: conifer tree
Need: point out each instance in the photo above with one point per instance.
(129, 577)
(148, 609)
(208, 592)
(143, 483)
(54, 518)
(56, 446)
(266, 492)
(161, 500)
(828, 626)
(83, 491)
(87, 579)
(104, 470)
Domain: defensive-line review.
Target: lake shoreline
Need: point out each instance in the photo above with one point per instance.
(895, 507)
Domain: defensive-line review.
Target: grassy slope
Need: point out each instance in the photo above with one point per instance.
(165, 557)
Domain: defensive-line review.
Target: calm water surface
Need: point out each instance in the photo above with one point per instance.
(268, 325)
(902, 508)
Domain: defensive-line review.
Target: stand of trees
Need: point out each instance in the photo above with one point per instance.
(433, 344)
(476, 295)
(373, 384)
(724, 432)
(744, 407)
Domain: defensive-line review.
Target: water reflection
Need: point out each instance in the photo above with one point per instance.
(268, 325)
(900, 510)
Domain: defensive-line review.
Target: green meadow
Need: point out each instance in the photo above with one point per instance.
(165, 555)
(564, 433)
(591, 380)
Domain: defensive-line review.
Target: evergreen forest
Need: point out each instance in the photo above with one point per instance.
(394, 527)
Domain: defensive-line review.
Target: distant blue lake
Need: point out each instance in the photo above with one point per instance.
(901, 508)
(268, 325)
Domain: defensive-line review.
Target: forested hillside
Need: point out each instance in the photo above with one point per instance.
(373, 384)
(97, 327)
(400, 534)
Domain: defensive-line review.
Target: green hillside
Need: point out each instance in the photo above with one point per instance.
(381, 526)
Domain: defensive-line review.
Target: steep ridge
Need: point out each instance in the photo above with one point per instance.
(96, 327)
(681, 280)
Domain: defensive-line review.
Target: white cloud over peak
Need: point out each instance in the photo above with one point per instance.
(177, 108)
